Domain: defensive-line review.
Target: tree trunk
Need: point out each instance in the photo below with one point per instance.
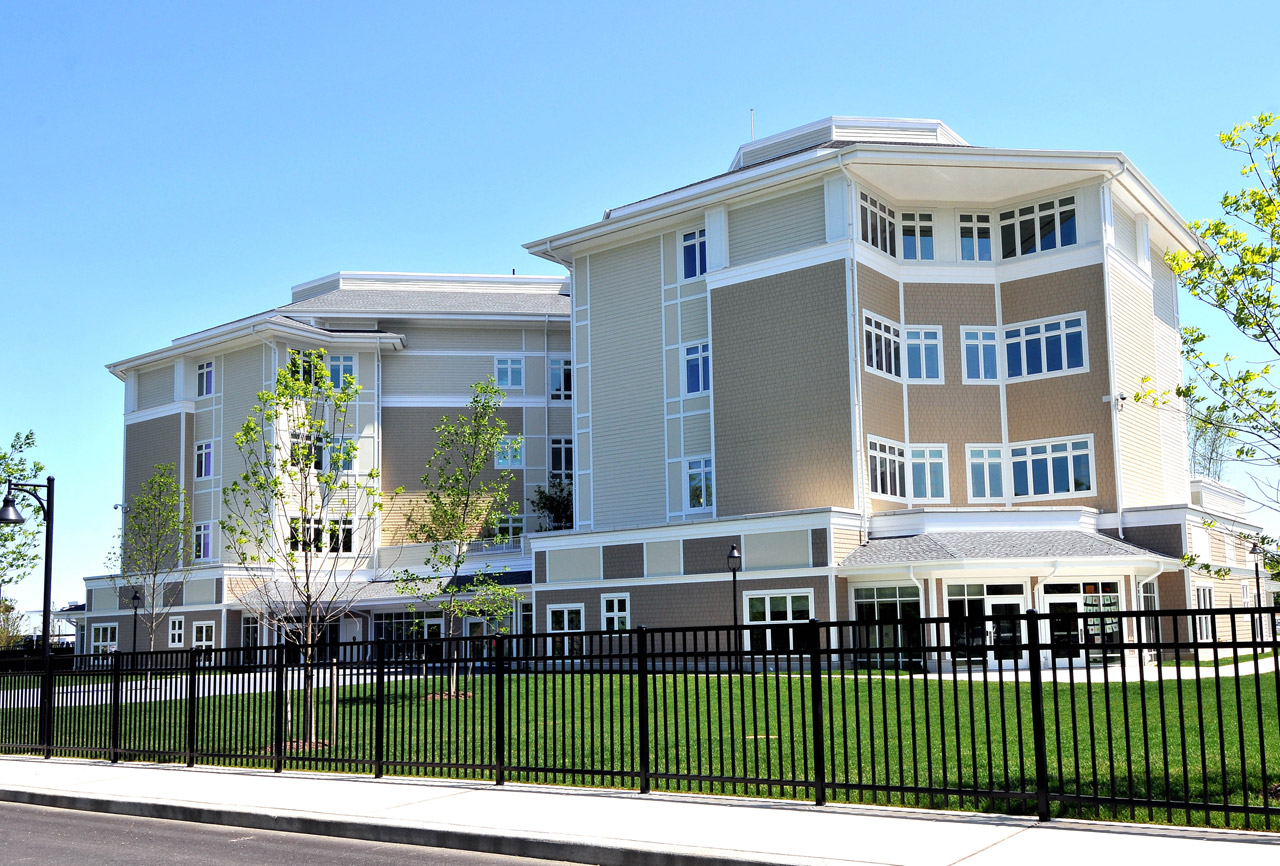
(308, 685)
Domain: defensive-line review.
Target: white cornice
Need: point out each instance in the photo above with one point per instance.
(448, 282)
(160, 411)
(808, 518)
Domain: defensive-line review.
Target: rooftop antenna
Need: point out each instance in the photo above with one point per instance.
(753, 124)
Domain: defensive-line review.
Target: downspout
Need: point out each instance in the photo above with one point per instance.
(1107, 237)
(855, 353)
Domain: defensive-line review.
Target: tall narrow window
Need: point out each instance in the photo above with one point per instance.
(980, 362)
(509, 453)
(924, 354)
(340, 367)
(509, 372)
(878, 225)
(204, 379)
(883, 345)
(562, 460)
(917, 236)
(204, 460)
(698, 473)
(561, 379)
(615, 612)
(929, 472)
(203, 537)
(693, 245)
(975, 237)
(697, 369)
(177, 627)
(986, 474)
(886, 463)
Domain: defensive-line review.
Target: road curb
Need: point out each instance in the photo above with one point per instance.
(540, 848)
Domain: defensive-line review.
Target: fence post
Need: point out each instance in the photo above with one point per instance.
(46, 706)
(116, 699)
(642, 663)
(192, 659)
(278, 733)
(379, 710)
(819, 741)
(1039, 735)
(500, 710)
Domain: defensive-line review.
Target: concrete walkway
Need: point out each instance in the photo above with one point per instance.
(607, 827)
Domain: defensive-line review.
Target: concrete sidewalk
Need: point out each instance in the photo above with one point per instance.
(606, 827)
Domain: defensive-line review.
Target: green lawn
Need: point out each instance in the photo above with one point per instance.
(883, 733)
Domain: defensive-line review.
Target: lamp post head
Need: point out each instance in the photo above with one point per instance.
(9, 513)
(1256, 550)
(734, 559)
(136, 600)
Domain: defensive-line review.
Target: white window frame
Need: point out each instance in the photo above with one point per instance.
(1031, 445)
(928, 458)
(511, 370)
(878, 224)
(204, 379)
(563, 445)
(891, 454)
(179, 632)
(345, 364)
(977, 222)
(609, 618)
(202, 538)
(697, 353)
(1205, 624)
(1014, 216)
(196, 628)
(980, 336)
(889, 334)
(999, 460)
(1041, 337)
(767, 594)
(554, 634)
(510, 453)
(913, 224)
(101, 645)
(560, 379)
(702, 468)
(924, 337)
(696, 238)
(204, 460)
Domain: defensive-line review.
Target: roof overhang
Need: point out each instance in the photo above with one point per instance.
(1039, 567)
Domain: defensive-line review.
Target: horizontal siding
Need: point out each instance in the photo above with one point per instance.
(1141, 454)
(433, 374)
(155, 387)
(460, 339)
(777, 225)
(1126, 232)
(790, 144)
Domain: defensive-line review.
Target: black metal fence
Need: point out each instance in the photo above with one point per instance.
(1169, 717)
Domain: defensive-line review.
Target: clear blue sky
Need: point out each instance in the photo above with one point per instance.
(167, 167)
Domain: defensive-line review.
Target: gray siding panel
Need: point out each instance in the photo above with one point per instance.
(776, 226)
(155, 387)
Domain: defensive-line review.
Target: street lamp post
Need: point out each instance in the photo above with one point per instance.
(734, 561)
(11, 516)
(135, 601)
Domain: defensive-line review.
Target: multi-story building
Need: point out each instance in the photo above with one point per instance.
(895, 371)
(415, 344)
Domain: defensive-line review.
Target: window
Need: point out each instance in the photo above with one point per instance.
(701, 484)
(340, 367)
(204, 460)
(561, 465)
(203, 540)
(176, 626)
(693, 250)
(986, 473)
(615, 612)
(204, 379)
(979, 355)
(309, 534)
(510, 453)
(249, 634)
(917, 236)
(509, 372)
(562, 620)
(1061, 468)
(888, 468)
(1150, 624)
(103, 638)
(202, 635)
(402, 625)
(302, 364)
(929, 472)
(1033, 228)
(899, 606)
(305, 450)
(768, 615)
(878, 225)
(975, 237)
(1045, 348)
(697, 369)
(561, 379)
(512, 526)
(1206, 627)
(883, 345)
(924, 354)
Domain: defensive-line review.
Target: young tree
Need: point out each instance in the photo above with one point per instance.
(299, 517)
(153, 558)
(19, 545)
(554, 503)
(463, 506)
(13, 625)
(1208, 444)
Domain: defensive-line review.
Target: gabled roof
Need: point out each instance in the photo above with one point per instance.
(944, 546)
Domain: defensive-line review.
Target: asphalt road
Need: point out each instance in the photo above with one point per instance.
(53, 837)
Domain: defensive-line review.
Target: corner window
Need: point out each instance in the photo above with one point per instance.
(204, 460)
(924, 354)
(986, 473)
(693, 252)
(975, 237)
(560, 382)
(917, 236)
(980, 357)
(770, 615)
(204, 379)
(615, 612)
(1038, 227)
(883, 345)
(1045, 348)
(509, 453)
(340, 367)
(177, 625)
(1060, 468)
(509, 372)
(878, 227)
(698, 474)
(886, 464)
(203, 541)
(697, 369)
(929, 472)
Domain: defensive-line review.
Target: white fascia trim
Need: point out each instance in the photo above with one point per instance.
(160, 411)
(711, 577)
(483, 282)
(1023, 567)
(807, 519)
(445, 318)
(1021, 268)
(413, 401)
(1168, 515)
(1136, 184)
(808, 257)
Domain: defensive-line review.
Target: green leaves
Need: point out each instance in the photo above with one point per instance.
(20, 545)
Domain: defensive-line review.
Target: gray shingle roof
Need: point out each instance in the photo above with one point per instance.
(936, 546)
(392, 301)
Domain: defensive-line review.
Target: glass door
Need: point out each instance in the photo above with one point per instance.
(1066, 631)
(1101, 632)
(1006, 633)
(965, 609)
